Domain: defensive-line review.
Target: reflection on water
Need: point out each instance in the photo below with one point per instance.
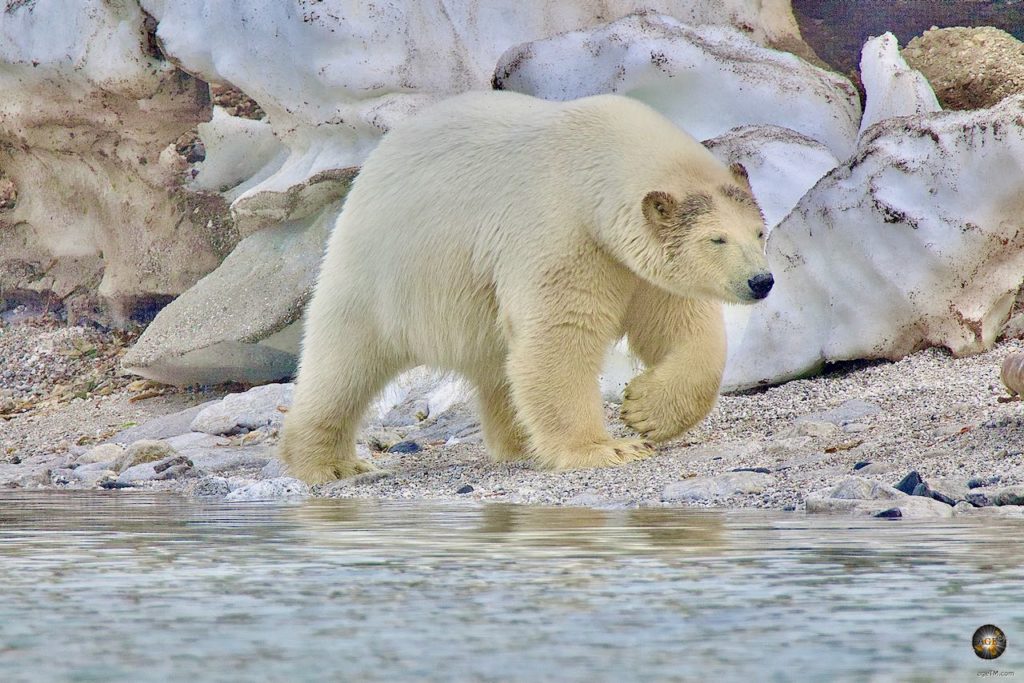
(128, 587)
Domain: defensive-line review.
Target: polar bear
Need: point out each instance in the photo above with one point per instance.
(513, 240)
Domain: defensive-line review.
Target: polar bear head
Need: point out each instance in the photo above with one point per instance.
(706, 242)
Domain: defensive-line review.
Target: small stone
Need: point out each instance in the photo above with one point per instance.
(465, 488)
(890, 513)
(759, 470)
(908, 483)
(861, 465)
(405, 447)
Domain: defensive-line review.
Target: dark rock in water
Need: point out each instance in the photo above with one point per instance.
(466, 488)
(909, 483)
(861, 465)
(891, 513)
(405, 447)
(115, 484)
(979, 482)
(759, 470)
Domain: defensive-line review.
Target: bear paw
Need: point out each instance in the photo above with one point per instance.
(321, 473)
(610, 453)
(648, 411)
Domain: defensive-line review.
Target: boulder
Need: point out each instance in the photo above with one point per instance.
(969, 68)
(260, 407)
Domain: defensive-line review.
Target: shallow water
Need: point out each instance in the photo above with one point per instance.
(119, 586)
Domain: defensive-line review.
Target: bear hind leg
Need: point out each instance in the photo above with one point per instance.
(504, 436)
(336, 383)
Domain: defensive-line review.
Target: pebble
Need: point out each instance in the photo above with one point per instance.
(405, 447)
(466, 488)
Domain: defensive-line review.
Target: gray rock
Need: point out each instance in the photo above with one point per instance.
(968, 510)
(358, 480)
(273, 469)
(978, 498)
(1009, 495)
(92, 474)
(247, 411)
(104, 453)
(243, 317)
(231, 458)
(137, 474)
(163, 427)
(944, 490)
(211, 487)
(146, 450)
(812, 428)
(719, 486)
(850, 411)
(281, 488)
(858, 488)
(875, 468)
(595, 499)
(912, 507)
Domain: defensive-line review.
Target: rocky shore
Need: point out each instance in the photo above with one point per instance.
(928, 436)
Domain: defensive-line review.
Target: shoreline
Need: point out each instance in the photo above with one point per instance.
(775, 448)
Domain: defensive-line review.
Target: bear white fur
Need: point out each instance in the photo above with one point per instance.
(513, 240)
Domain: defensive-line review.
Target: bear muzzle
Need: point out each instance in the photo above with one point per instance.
(761, 284)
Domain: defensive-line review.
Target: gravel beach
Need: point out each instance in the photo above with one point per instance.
(947, 419)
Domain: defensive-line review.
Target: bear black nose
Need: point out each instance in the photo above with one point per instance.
(761, 284)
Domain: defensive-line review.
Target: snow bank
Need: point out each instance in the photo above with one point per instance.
(917, 241)
(707, 80)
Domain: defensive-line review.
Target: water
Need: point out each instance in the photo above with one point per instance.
(119, 586)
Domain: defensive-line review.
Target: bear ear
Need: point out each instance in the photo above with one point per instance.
(659, 207)
(739, 174)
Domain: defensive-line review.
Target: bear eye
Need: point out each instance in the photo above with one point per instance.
(718, 240)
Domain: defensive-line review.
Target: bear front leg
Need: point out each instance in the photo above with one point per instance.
(682, 343)
(555, 356)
